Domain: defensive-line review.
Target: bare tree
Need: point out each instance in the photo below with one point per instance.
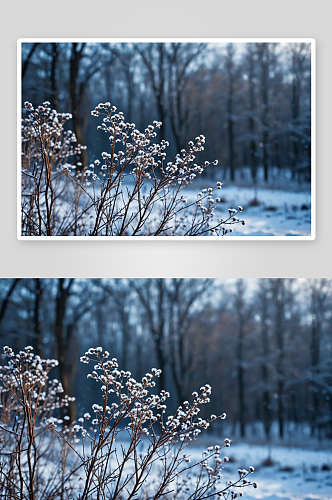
(263, 297)
(121, 297)
(250, 57)
(63, 337)
(126, 57)
(83, 67)
(152, 294)
(265, 54)
(184, 296)
(281, 297)
(229, 64)
(240, 311)
(66, 320)
(36, 316)
(154, 57)
(76, 96)
(319, 291)
(299, 54)
(54, 88)
(180, 57)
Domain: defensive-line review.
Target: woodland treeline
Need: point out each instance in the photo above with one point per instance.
(265, 345)
(252, 101)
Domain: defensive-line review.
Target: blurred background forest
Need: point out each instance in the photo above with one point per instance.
(252, 101)
(264, 345)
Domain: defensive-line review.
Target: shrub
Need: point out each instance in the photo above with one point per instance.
(131, 192)
(129, 449)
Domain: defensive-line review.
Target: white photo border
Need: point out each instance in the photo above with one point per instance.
(312, 42)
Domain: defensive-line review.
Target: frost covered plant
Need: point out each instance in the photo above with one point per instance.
(126, 447)
(47, 181)
(130, 191)
(33, 461)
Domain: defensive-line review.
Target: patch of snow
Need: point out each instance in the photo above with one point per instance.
(297, 473)
(280, 212)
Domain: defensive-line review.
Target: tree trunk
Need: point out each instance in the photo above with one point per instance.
(61, 306)
(239, 304)
(230, 99)
(264, 60)
(251, 122)
(36, 320)
(317, 300)
(153, 292)
(230, 133)
(240, 377)
(75, 104)
(55, 57)
(296, 88)
(279, 300)
(267, 416)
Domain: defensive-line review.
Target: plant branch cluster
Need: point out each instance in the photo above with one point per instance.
(130, 449)
(131, 191)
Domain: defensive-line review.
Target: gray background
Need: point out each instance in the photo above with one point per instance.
(160, 18)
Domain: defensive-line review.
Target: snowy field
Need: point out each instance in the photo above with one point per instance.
(275, 212)
(279, 213)
(282, 472)
(296, 473)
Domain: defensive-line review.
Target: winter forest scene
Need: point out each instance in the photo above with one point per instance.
(165, 138)
(168, 389)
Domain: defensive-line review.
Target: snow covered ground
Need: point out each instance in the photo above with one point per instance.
(296, 473)
(279, 213)
(282, 472)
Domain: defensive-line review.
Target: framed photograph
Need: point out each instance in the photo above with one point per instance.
(174, 138)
